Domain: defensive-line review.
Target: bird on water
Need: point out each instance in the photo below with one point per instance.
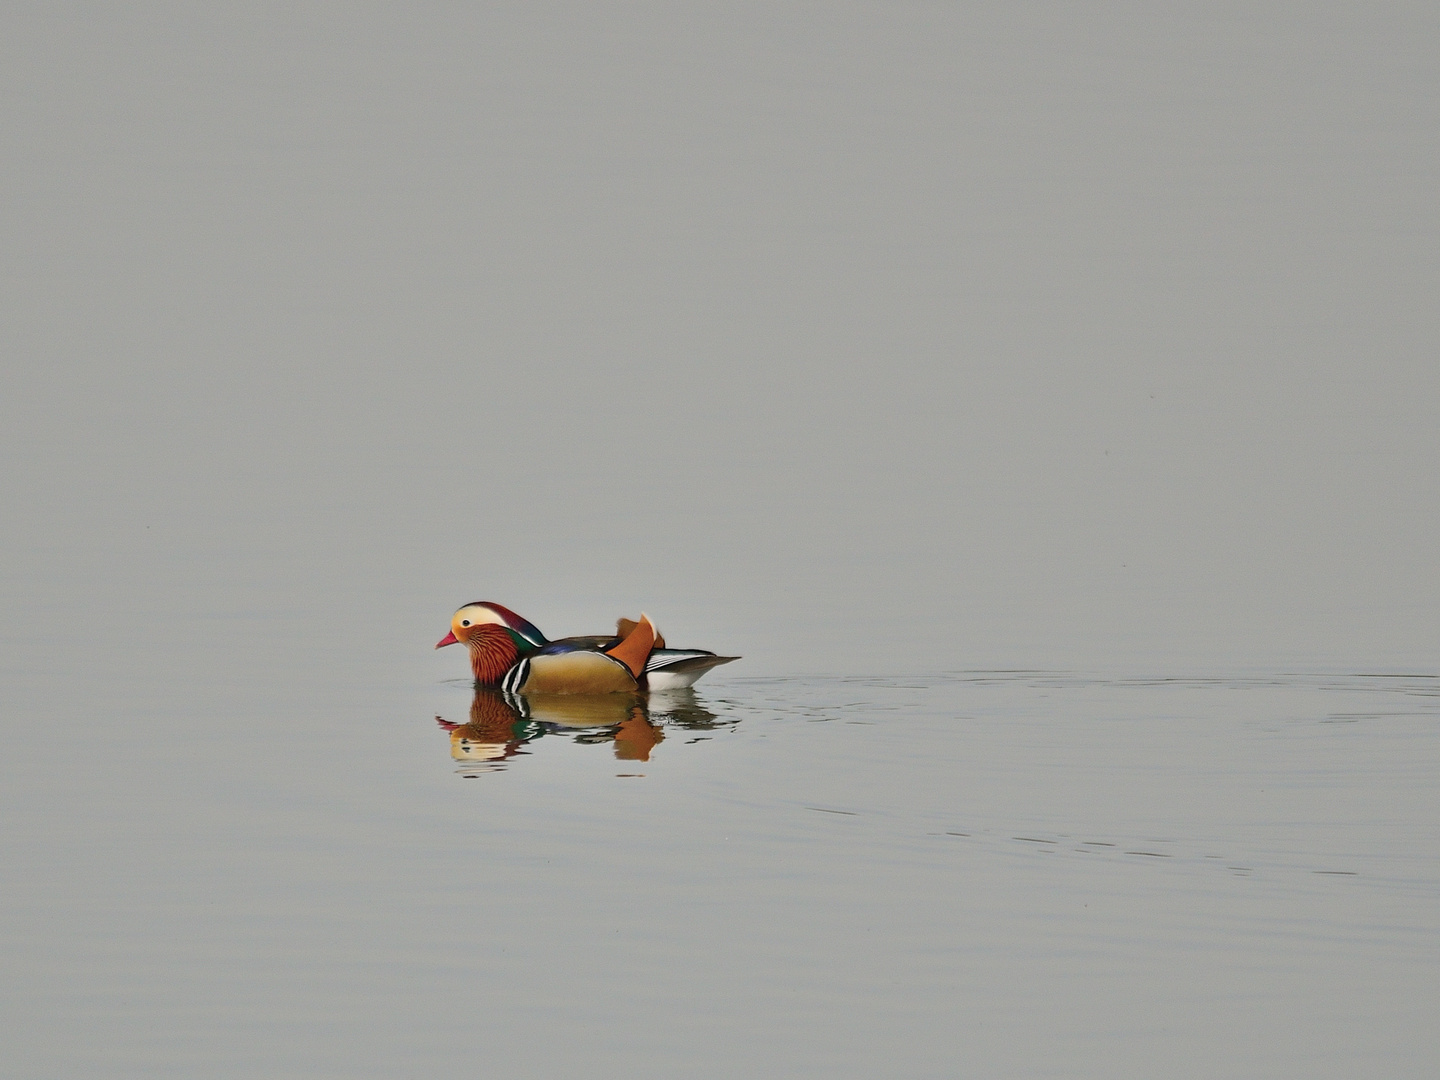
(511, 653)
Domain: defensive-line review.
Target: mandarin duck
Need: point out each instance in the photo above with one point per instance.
(511, 653)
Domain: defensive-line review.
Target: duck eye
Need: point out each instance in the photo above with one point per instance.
(464, 622)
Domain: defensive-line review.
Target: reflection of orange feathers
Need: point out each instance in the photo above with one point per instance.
(490, 734)
(634, 648)
(636, 737)
(623, 626)
(491, 718)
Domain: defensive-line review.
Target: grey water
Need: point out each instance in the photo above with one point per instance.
(1039, 398)
(980, 873)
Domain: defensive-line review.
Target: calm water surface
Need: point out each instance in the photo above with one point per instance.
(979, 873)
(847, 337)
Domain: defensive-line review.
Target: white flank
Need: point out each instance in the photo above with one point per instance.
(673, 680)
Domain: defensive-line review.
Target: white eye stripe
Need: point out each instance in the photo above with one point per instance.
(474, 617)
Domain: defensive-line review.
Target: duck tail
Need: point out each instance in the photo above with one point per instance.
(634, 647)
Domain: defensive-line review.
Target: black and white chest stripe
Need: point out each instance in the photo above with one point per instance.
(515, 678)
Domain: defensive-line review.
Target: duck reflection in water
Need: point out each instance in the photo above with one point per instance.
(501, 723)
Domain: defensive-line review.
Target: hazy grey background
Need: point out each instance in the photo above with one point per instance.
(846, 336)
(857, 339)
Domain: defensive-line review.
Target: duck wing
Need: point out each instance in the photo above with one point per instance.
(583, 642)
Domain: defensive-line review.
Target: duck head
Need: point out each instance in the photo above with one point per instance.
(495, 636)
